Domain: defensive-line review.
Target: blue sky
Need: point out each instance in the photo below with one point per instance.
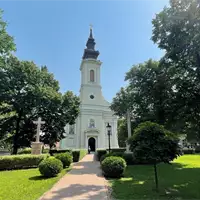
(54, 33)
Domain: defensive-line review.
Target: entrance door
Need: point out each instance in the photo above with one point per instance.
(92, 144)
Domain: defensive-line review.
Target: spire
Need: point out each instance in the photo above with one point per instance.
(91, 36)
(90, 51)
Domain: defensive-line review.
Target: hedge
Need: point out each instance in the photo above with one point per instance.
(100, 152)
(188, 151)
(20, 161)
(122, 150)
(28, 151)
(78, 154)
(54, 151)
(197, 149)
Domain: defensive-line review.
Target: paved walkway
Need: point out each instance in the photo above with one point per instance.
(83, 182)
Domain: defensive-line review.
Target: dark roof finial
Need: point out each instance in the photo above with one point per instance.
(90, 51)
(91, 36)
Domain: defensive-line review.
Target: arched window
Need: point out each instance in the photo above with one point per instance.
(92, 75)
(92, 123)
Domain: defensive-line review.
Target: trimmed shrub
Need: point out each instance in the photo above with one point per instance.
(50, 167)
(113, 166)
(100, 152)
(55, 151)
(25, 151)
(78, 154)
(20, 161)
(45, 151)
(197, 149)
(65, 158)
(116, 150)
(188, 151)
(118, 154)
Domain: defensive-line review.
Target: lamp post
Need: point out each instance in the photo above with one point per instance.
(109, 134)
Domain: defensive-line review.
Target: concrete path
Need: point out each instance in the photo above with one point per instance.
(83, 182)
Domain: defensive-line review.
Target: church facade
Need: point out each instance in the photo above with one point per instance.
(90, 127)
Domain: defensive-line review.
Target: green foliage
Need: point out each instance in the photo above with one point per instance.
(50, 167)
(116, 150)
(20, 161)
(100, 152)
(56, 151)
(188, 151)
(197, 149)
(176, 31)
(113, 166)
(83, 152)
(151, 142)
(22, 183)
(65, 158)
(78, 154)
(6, 41)
(27, 92)
(25, 151)
(117, 154)
(179, 181)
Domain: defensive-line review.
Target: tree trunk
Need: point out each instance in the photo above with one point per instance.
(156, 176)
(15, 138)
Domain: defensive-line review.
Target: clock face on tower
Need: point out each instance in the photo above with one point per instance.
(91, 96)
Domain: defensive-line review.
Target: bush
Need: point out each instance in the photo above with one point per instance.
(188, 151)
(100, 153)
(122, 150)
(113, 166)
(117, 154)
(50, 167)
(65, 158)
(20, 161)
(197, 149)
(55, 151)
(25, 151)
(78, 154)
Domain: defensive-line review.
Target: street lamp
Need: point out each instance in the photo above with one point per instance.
(108, 127)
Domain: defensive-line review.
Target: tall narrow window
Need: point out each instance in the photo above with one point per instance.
(92, 75)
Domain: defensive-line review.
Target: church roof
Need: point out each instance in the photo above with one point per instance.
(89, 51)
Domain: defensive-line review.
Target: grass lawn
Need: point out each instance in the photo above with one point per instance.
(181, 180)
(25, 184)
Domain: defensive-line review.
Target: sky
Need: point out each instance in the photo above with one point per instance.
(54, 33)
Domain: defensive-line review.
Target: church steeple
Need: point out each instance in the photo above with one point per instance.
(90, 51)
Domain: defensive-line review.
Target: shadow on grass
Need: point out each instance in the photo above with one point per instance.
(175, 182)
(38, 178)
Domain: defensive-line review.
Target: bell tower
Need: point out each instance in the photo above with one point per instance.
(90, 91)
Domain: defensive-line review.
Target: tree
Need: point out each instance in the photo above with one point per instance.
(154, 144)
(6, 41)
(176, 30)
(122, 106)
(27, 92)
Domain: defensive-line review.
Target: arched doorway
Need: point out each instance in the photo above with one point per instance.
(92, 144)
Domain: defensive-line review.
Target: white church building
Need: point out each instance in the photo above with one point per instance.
(95, 114)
